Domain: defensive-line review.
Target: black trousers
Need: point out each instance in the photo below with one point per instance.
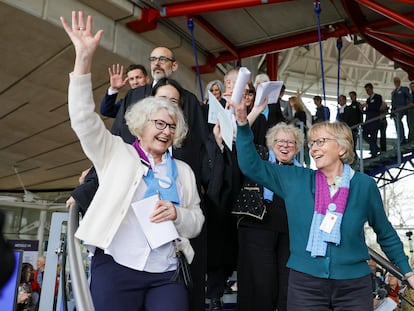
(262, 275)
(308, 293)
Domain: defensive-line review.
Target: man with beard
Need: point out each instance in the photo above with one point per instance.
(164, 64)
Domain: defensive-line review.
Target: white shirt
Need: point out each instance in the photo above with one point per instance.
(130, 247)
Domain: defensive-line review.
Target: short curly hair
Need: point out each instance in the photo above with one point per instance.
(138, 114)
(285, 128)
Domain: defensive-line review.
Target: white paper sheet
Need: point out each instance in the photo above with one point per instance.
(157, 234)
(224, 118)
(271, 89)
(212, 108)
(242, 78)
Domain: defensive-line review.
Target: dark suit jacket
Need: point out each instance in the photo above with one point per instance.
(109, 106)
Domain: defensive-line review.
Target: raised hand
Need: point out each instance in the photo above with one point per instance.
(85, 43)
(257, 110)
(116, 79)
(240, 111)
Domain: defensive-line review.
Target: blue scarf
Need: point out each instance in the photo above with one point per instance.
(166, 187)
(318, 239)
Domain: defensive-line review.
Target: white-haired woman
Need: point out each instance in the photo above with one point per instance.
(126, 273)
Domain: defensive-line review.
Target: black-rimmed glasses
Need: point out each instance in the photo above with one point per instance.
(319, 142)
(161, 59)
(162, 125)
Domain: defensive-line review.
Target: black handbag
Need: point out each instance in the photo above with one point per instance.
(183, 272)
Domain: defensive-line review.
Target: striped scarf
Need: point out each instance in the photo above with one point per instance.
(318, 239)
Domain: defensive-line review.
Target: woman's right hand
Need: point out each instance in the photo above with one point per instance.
(80, 33)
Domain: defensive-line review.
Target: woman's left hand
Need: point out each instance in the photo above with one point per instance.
(164, 210)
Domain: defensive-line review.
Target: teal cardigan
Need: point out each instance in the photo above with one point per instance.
(296, 185)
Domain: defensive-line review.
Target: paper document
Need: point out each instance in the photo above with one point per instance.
(157, 234)
(238, 90)
(212, 108)
(217, 112)
(270, 89)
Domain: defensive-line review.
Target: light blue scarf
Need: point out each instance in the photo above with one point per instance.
(166, 187)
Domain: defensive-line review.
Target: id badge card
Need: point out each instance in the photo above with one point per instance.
(328, 222)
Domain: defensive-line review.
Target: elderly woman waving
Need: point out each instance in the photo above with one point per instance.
(128, 272)
(327, 209)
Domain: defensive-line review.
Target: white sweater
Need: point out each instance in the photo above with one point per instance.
(120, 170)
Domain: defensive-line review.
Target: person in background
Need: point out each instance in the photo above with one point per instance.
(215, 87)
(140, 276)
(377, 276)
(222, 184)
(393, 289)
(25, 288)
(262, 274)
(371, 108)
(137, 76)
(38, 278)
(285, 106)
(322, 112)
(410, 115)
(326, 226)
(298, 111)
(400, 98)
(352, 115)
(39, 272)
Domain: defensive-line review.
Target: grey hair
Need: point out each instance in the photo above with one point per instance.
(260, 78)
(219, 84)
(138, 114)
(288, 129)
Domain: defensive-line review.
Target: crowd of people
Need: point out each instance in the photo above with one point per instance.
(293, 234)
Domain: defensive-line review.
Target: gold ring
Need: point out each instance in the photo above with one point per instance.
(81, 28)
(165, 208)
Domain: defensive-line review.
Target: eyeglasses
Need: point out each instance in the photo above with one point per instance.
(162, 125)
(161, 59)
(284, 142)
(319, 142)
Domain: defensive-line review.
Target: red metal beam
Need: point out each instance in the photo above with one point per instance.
(386, 12)
(359, 20)
(198, 7)
(218, 36)
(402, 47)
(391, 33)
(280, 44)
(272, 65)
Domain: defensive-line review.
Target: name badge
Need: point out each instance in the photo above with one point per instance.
(328, 222)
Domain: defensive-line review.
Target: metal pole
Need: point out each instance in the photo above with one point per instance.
(80, 284)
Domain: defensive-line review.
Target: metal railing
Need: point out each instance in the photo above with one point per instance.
(79, 282)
